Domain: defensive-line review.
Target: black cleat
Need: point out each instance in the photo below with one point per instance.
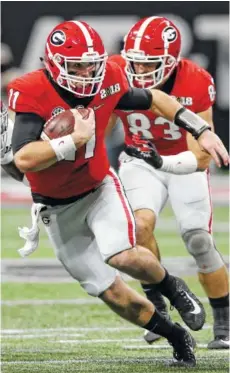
(159, 302)
(188, 305)
(183, 347)
(220, 329)
(151, 337)
(219, 343)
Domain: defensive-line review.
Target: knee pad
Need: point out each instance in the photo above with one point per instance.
(201, 246)
(96, 289)
(90, 288)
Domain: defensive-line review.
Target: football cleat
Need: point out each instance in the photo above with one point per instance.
(151, 337)
(188, 305)
(219, 343)
(159, 302)
(183, 347)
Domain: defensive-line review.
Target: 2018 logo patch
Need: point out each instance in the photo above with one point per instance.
(111, 90)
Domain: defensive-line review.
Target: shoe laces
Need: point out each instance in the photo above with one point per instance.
(223, 337)
(186, 352)
(187, 304)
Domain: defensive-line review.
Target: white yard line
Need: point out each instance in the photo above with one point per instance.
(69, 331)
(166, 347)
(99, 341)
(34, 336)
(107, 361)
(80, 361)
(9, 334)
(44, 302)
(88, 329)
(127, 347)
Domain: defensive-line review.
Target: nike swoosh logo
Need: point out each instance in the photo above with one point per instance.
(196, 306)
(97, 107)
(225, 342)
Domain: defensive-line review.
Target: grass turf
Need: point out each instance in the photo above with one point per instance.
(87, 337)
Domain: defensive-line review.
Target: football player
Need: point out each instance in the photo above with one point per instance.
(74, 188)
(151, 59)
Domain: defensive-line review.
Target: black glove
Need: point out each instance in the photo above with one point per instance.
(146, 150)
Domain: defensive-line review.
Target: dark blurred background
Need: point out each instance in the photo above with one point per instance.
(204, 27)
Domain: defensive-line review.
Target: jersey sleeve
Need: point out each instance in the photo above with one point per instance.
(21, 98)
(124, 83)
(119, 60)
(207, 92)
(119, 77)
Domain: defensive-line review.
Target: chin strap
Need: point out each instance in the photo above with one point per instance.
(31, 235)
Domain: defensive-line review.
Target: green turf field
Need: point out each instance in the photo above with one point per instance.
(169, 241)
(58, 328)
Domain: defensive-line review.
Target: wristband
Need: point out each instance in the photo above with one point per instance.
(64, 148)
(191, 122)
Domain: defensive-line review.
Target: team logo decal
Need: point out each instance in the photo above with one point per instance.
(57, 110)
(58, 38)
(169, 34)
(46, 220)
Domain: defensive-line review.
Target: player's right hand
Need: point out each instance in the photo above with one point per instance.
(213, 145)
(146, 150)
(84, 129)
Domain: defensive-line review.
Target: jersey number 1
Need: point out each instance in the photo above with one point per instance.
(90, 146)
(13, 96)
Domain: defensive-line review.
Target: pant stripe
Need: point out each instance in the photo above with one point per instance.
(126, 206)
(210, 200)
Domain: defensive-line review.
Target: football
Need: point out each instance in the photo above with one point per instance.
(61, 124)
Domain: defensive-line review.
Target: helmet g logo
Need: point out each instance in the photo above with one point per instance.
(169, 34)
(58, 38)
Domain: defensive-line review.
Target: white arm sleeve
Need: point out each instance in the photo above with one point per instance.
(180, 164)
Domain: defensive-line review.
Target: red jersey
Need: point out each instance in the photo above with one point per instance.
(193, 88)
(33, 93)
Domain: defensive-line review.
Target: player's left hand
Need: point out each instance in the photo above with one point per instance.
(212, 144)
(144, 149)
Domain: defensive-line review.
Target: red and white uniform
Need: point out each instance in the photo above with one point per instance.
(149, 188)
(87, 232)
(34, 93)
(193, 87)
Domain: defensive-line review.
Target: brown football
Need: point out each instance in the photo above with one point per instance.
(61, 124)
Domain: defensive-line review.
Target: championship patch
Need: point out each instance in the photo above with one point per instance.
(111, 90)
